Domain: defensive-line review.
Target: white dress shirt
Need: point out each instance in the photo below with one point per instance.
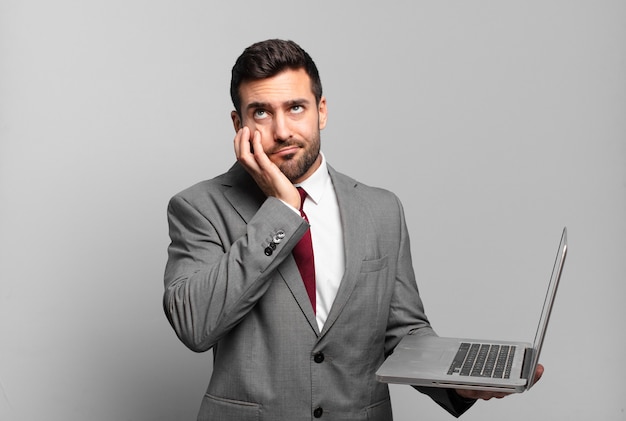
(322, 210)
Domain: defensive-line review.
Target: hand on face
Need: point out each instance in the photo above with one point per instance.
(249, 152)
(278, 132)
(486, 395)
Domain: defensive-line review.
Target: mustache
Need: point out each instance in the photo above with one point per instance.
(285, 144)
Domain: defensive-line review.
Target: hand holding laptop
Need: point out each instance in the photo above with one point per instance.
(486, 395)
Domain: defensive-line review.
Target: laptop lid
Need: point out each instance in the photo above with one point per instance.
(425, 360)
(547, 306)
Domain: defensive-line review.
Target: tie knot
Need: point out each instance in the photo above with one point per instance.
(302, 196)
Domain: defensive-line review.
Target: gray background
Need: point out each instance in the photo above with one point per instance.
(496, 122)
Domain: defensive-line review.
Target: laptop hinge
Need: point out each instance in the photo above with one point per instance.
(528, 359)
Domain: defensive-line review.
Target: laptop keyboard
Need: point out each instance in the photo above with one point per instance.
(483, 360)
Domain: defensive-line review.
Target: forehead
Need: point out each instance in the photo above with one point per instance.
(283, 87)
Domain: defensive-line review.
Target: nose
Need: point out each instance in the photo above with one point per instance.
(282, 130)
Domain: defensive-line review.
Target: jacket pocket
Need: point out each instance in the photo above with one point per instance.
(214, 408)
(374, 265)
(380, 411)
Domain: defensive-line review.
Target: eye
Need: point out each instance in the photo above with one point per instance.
(297, 109)
(260, 114)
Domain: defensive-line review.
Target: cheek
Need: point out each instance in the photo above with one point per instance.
(311, 132)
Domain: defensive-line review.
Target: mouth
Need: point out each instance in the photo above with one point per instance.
(286, 152)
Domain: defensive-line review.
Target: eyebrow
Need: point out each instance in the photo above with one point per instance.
(265, 105)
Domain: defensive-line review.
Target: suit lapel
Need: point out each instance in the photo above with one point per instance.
(353, 219)
(288, 270)
(246, 198)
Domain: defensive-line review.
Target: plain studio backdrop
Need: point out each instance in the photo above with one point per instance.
(497, 123)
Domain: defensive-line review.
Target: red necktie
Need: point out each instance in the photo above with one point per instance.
(303, 253)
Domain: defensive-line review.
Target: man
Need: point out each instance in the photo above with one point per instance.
(285, 348)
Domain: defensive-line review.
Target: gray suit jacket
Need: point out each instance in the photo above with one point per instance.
(223, 291)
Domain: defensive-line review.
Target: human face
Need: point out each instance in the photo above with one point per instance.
(282, 108)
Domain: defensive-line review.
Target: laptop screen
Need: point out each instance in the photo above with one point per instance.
(547, 305)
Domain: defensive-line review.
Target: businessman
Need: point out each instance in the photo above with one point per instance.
(298, 277)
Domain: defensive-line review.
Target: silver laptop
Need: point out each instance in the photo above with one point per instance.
(469, 363)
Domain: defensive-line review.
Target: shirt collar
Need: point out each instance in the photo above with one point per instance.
(317, 183)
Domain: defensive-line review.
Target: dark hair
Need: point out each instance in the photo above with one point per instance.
(268, 58)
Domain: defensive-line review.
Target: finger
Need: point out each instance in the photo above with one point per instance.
(539, 372)
(257, 150)
(489, 395)
(236, 142)
(243, 144)
(255, 144)
(239, 138)
(242, 149)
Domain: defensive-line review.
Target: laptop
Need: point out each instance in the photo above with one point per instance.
(460, 363)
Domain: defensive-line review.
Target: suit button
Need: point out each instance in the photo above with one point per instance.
(317, 413)
(268, 251)
(319, 357)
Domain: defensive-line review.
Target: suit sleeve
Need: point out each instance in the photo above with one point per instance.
(212, 281)
(407, 315)
(406, 312)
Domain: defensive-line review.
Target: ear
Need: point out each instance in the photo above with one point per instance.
(322, 112)
(236, 120)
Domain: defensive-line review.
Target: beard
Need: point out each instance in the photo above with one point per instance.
(294, 168)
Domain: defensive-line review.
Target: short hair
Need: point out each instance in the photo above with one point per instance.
(268, 58)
